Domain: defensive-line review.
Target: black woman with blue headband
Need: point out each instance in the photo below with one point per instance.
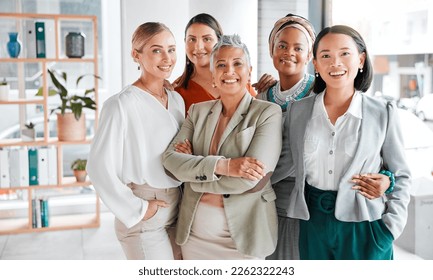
(290, 46)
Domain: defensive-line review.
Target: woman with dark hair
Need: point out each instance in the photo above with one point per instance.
(291, 48)
(195, 84)
(333, 135)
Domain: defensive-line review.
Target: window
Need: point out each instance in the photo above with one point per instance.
(108, 14)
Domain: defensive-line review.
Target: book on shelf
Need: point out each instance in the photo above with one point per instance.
(40, 39)
(50, 39)
(36, 213)
(30, 37)
(44, 212)
(19, 167)
(4, 169)
(40, 213)
(52, 165)
(42, 166)
(33, 167)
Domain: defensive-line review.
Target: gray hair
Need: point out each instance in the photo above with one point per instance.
(229, 41)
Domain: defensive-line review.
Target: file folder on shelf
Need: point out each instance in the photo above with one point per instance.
(33, 167)
(4, 169)
(40, 39)
(52, 165)
(19, 167)
(30, 37)
(43, 166)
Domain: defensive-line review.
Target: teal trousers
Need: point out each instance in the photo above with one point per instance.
(323, 237)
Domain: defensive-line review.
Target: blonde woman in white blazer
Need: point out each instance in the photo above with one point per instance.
(135, 128)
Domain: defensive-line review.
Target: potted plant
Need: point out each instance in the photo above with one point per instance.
(79, 168)
(28, 133)
(4, 90)
(71, 123)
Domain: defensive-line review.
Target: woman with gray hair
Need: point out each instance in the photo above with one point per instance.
(228, 208)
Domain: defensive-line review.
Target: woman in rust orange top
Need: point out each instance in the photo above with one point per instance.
(195, 84)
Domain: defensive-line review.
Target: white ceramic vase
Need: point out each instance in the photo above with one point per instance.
(4, 92)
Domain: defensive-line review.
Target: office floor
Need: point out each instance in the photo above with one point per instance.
(86, 244)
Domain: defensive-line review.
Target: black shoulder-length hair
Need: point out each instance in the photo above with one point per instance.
(363, 79)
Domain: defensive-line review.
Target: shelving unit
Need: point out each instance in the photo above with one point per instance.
(16, 213)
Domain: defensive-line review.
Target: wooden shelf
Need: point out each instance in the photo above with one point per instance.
(42, 142)
(64, 222)
(17, 214)
(22, 101)
(47, 60)
(66, 182)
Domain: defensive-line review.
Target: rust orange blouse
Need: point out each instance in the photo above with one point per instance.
(195, 94)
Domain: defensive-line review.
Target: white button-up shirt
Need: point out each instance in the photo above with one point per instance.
(329, 149)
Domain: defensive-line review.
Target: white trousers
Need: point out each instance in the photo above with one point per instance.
(152, 239)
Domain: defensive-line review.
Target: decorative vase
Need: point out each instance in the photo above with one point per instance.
(75, 44)
(28, 134)
(14, 46)
(80, 175)
(69, 129)
(4, 92)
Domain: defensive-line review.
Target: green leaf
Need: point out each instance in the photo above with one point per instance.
(40, 92)
(89, 91)
(77, 108)
(52, 92)
(82, 76)
(55, 109)
(57, 84)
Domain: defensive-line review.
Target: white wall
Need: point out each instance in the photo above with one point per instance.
(112, 48)
(269, 12)
(173, 13)
(240, 17)
(176, 14)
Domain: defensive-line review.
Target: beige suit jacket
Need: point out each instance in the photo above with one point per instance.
(254, 131)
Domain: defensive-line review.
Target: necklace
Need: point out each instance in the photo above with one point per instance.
(161, 97)
(298, 91)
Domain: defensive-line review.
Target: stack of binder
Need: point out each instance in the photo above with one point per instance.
(40, 39)
(28, 167)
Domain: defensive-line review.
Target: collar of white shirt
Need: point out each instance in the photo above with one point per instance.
(355, 108)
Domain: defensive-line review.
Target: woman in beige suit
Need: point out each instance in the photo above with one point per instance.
(225, 153)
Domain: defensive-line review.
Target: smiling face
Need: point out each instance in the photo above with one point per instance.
(290, 54)
(231, 71)
(338, 61)
(199, 42)
(158, 56)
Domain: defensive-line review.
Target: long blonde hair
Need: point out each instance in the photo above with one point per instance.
(144, 33)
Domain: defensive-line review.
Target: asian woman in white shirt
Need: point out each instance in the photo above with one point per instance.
(333, 135)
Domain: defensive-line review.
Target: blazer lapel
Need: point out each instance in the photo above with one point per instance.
(237, 117)
(299, 119)
(366, 134)
(212, 120)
